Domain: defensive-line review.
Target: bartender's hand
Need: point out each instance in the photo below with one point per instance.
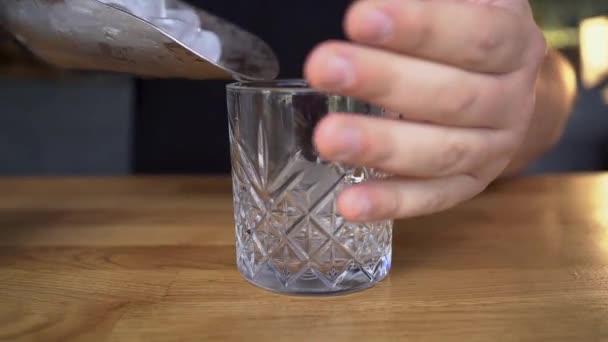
(458, 78)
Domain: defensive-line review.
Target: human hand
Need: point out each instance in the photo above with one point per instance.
(462, 74)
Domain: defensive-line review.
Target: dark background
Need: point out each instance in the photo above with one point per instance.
(115, 124)
(181, 126)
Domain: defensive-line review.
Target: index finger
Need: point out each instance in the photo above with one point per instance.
(475, 37)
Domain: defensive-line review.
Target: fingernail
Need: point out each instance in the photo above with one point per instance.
(339, 73)
(378, 26)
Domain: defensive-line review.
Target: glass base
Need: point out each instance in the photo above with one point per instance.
(313, 282)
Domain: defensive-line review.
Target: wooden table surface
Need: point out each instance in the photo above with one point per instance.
(152, 259)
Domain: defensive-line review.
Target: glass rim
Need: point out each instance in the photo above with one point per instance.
(294, 85)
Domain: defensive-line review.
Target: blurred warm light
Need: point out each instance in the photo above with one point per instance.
(594, 50)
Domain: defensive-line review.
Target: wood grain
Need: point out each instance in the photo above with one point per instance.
(152, 259)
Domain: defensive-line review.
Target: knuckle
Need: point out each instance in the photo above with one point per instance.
(484, 46)
(456, 99)
(489, 41)
(453, 157)
(473, 58)
(436, 200)
(419, 22)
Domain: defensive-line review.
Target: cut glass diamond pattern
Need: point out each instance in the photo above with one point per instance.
(287, 225)
(332, 263)
(307, 237)
(286, 263)
(253, 257)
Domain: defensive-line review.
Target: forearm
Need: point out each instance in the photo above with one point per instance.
(555, 94)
